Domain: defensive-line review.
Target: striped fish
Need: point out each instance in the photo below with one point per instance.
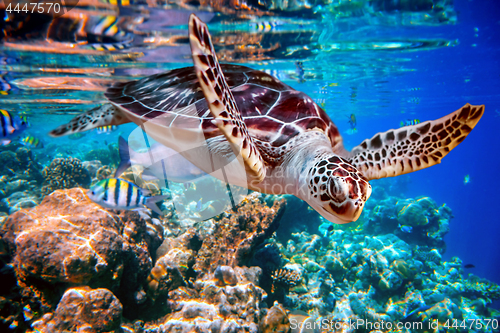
(31, 142)
(409, 122)
(265, 26)
(11, 126)
(106, 129)
(115, 193)
(106, 35)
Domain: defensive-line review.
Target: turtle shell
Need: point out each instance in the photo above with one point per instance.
(272, 111)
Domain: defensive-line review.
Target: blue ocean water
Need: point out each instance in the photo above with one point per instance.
(384, 65)
(468, 72)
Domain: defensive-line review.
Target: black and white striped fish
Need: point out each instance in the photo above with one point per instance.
(115, 193)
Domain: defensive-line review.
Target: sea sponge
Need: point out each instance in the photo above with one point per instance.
(64, 173)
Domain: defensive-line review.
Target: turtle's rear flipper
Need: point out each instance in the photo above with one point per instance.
(220, 99)
(103, 115)
(414, 147)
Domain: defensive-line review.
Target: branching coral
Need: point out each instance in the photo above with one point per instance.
(64, 173)
(104, 172)
(285, 278)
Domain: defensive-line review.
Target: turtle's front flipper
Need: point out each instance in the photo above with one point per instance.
(103, 115)
(220, 99)
(415, 147)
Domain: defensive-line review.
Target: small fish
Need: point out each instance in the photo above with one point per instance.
(109, 46)
(199, 205)
(4, 86)
(187, 186)
(265, 26)
(352, 121)
(76, 136)
(409, 122)
(405, 228)
(119, 2)
(106, 26)
(466, 179)
(299, 70)
(11, 127)
(115, 193)
(106, 129)
(422, 308)
(31, 142)
(106, 35)
(469, 266)
(328, 230)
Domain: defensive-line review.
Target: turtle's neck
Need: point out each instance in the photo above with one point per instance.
(305, 149)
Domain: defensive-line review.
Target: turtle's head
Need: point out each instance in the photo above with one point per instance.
(336, 189)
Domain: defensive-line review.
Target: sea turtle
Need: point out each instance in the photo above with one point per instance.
(287, 142)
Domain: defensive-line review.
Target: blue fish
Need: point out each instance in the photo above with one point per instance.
(352, 121)
(409, 122)
(11, 127)
(416, 311)
(405, 228)
(198, 205)
(328, 230)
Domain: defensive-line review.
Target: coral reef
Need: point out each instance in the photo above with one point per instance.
(285, 278)
(64, 173)
(103, 172)
(77, 267)
(381, 278)
(83, 310)
(107, 156)
(92, 167)
(20, 199)
(21, 164)
(417, 221)
(69, 241)
(20, 180)
(214, 304)
(238, 234)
